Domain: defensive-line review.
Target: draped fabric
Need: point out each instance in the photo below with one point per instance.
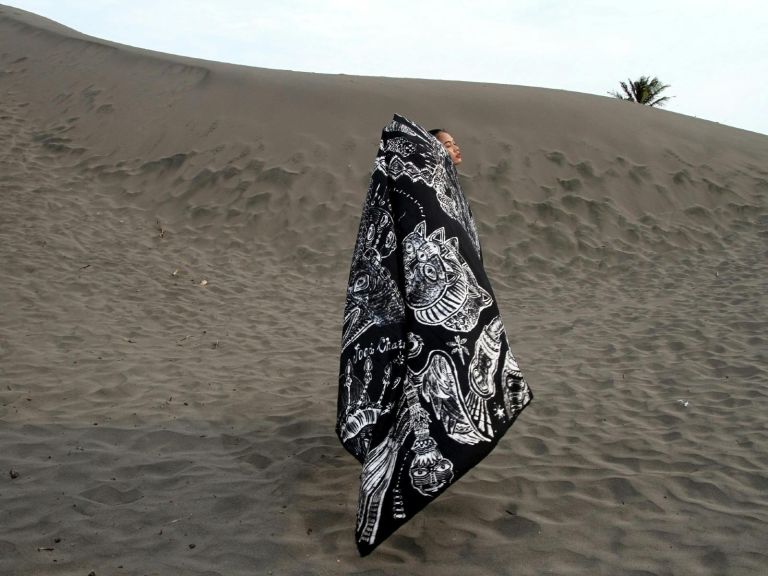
(428, 384)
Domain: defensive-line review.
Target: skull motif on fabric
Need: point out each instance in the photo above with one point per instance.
(439, 285)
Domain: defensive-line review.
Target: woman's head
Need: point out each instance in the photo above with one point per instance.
(448, 143)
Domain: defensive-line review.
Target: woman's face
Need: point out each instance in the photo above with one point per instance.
(450, 145)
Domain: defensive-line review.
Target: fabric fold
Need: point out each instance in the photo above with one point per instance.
(428, 384)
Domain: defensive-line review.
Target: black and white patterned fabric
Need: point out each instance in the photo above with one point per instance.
(428, 384)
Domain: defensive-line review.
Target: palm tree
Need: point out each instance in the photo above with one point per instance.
(645, 90)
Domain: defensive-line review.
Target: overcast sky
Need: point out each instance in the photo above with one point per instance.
(714, 54)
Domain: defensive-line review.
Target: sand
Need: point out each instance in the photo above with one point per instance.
(175, 239)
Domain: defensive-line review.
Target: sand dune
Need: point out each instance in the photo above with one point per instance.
(175, 237)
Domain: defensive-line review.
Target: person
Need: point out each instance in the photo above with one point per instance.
(454, 151)
(427, 382)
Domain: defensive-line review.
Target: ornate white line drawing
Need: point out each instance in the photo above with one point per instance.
(439, 285)
(406, 160)
(377, 475)
(415, 202)
(439, 385)
(381, 461)
(516, 391)
(396, 126)
(415, 344)
(401, 146)
(432, 166)
(426, 169)
(457, 347)
(373, 297)
(430, 471)
(361, 414)
(418, 132)
(398, 503)
(482, 370)
(452, 201)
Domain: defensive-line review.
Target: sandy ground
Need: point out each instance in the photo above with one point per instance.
(175, 238)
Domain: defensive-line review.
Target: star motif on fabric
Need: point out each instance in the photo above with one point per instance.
(457, 347)
(500, 412)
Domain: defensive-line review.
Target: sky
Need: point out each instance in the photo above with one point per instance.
(713, 54)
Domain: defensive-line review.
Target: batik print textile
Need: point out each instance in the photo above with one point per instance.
(428, 384)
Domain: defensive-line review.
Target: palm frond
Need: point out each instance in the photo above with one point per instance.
(645, 90)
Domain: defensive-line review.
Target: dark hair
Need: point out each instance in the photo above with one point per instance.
(436, 131)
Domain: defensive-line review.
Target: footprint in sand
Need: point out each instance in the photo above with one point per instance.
(111, 496)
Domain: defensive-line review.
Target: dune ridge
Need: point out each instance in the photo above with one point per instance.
(175, 240)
